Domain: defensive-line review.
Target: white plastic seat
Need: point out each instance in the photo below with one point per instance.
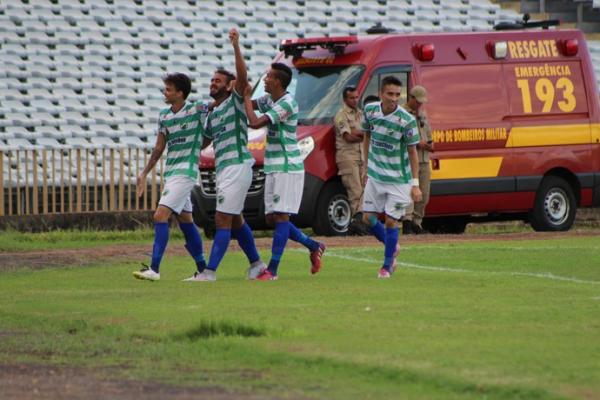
(51, 132)
(19, 132)
(48, 143)
(103, 141)
(20, 144)
(132, 141)
(73, 130)
(123, 81)
(44, 106)
(78, 143)
(45, 118)
(99, 104)
(104, 117)
(102, 129)
(131, 130)
(98, 93)
(480, 14)
(99, 49)
(479, 25)
(76, 118)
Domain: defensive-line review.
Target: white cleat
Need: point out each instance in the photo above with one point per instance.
(255, 269)
(207, 275)
(147, 274)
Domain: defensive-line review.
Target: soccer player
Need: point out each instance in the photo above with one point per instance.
(392, 137)
(284, 167)
(227, 128)
(180, 127)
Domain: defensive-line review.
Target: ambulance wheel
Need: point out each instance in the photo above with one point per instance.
(555, 206)
(333, 212)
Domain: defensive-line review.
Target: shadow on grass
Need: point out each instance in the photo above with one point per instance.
(208, 329)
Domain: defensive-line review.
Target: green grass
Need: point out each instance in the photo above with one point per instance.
(62, 239)
(477, 320)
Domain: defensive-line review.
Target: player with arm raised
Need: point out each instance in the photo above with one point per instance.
(284, 166)
(227, 128)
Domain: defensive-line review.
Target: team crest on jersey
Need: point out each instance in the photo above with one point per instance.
(398, 206)
(220, 199)
(276, 198)
(165, 192)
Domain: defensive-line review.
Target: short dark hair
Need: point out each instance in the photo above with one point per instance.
(226, 73)
(347, 90)
(370, 99)
(283, 73)
(181, 82)
(390, 80)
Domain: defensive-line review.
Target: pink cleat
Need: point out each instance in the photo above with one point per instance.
(315, 258)
(384, 274)
(266, 275)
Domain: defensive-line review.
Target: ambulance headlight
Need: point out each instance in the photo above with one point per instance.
(306, 146)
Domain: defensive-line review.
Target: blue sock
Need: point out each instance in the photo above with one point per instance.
(298, 236)
(219, 247)
(161, 238)
(391, 239)
(376, 228)
(193, 244)
(280, 237)
(246, 242)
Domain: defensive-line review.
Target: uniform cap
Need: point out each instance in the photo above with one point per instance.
(419, 93)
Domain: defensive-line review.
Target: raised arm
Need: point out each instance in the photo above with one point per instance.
(241, 80)
(253, 121)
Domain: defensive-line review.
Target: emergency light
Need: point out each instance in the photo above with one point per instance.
(497, 50)
(424, 51)
(336, 45)
(569, 47)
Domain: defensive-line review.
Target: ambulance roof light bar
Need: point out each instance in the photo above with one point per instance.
(525, 24)
(336, 45)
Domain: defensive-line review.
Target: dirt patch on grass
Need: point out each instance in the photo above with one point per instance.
(41, 382)
(127, 252)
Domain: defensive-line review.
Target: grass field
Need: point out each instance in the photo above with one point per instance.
(466, 320)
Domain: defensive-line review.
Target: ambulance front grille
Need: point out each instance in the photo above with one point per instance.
(208, 183)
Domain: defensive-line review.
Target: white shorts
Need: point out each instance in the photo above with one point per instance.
(233, 183)
(283, 192)
(176, 194)
(391, 198)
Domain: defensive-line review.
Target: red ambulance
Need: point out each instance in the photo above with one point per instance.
(514, 114)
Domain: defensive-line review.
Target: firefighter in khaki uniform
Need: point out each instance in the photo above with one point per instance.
(417, 96)
(349, 153)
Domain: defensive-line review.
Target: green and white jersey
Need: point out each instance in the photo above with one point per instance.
(388, 149)
(227, 126)
(282, 153)
(183, 131)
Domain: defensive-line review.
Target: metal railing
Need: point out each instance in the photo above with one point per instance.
(75, 180)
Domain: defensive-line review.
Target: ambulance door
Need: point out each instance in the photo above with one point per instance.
(467, 109)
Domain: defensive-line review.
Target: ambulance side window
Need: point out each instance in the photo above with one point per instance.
(400, 72)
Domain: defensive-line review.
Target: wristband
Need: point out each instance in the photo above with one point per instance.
(415, 181)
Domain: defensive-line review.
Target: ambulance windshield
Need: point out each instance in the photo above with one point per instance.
(318, 91)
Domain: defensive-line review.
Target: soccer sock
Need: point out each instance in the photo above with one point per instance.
(246, 241)
(219, 247)
(298, 236)
(377, 228)
(193, 244)
(280, 237)
(161, 238)
(391, 239)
